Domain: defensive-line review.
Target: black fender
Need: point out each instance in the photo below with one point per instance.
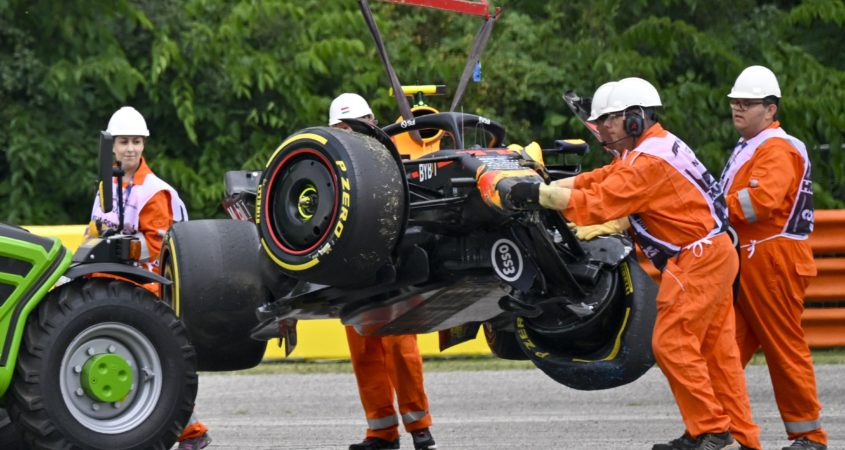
(133, 273)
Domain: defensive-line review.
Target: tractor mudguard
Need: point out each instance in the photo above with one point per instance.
(135, 274)
(30, 266)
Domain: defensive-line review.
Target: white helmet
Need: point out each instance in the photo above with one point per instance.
(348, 106)
(600, 100)
(630, 92)
(127, 121)
(755, 82)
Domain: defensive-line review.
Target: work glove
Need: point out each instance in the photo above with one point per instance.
(532, 158)
(588, 232)
(509, 190)
(523, 195)
(537, 167)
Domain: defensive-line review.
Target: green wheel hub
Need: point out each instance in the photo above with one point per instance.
(107, 377)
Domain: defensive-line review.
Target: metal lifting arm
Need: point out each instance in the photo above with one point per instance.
(479, 8)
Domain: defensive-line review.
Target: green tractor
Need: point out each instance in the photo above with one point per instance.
(88, 361)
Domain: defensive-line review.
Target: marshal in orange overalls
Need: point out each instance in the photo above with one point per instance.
(388, 366)
(774, 274)
(693, 339)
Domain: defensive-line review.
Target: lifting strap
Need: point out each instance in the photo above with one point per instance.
(474, 56)
(404, 109)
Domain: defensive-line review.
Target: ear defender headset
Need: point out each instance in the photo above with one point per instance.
(634, 123)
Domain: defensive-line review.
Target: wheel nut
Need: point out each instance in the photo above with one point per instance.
(77, 369)
(112, 348)
(95, 406)
(90, 351)
(80, 392)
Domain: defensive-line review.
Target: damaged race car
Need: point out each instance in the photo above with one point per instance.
(344, 227)
(386, 229)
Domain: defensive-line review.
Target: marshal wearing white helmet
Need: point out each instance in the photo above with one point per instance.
(150, 207)
(769, 192)
(678, 211)
(396, 375)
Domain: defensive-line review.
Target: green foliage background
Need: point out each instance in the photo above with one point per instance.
(223, 83)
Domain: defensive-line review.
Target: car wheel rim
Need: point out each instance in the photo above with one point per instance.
(125, 348)
(302, 201)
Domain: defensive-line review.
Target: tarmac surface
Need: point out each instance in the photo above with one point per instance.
(511, 409)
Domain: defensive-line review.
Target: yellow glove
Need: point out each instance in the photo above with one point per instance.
(588, 232)
(531, 152)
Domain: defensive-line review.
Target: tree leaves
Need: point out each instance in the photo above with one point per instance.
(221, 84)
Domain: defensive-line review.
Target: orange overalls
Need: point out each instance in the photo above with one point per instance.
(388, 366)
(693, 339)
(773, 280)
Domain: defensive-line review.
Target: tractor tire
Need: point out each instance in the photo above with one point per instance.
(623, 352)
(10, 433)
(503, 343)
(331, 206)
(215, 267)
(103, 365)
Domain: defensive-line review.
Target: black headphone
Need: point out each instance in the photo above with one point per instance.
(634, 123)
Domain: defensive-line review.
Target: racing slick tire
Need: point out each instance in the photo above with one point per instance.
(620, 358)
(215, 267)
(331, 206)
(503, 343)
(103, 365)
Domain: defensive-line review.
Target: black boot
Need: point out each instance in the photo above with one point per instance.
(685, 442)
(423, 440)
(806, 443)
(374, 443)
